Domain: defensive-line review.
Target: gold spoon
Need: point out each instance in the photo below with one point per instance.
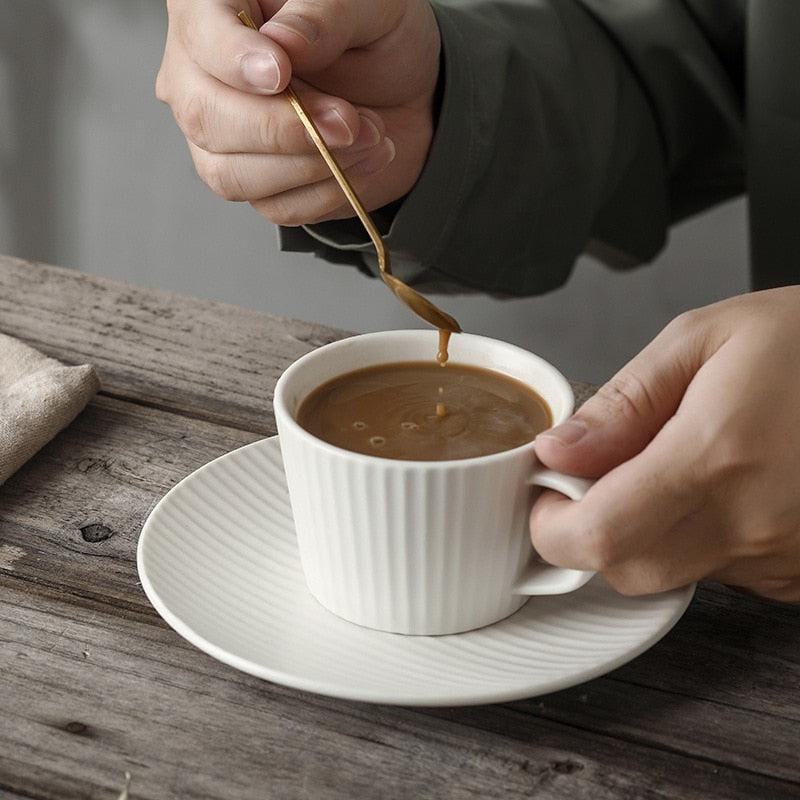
(420, 305)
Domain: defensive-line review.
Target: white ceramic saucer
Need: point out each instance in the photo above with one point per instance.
(218, 560)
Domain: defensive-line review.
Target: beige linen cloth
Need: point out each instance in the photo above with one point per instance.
(39, 396)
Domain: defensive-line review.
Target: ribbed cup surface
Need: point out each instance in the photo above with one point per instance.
(218, 558)
(418, 548)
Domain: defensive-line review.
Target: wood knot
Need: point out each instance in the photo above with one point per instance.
(96, 533)
(565, 767)
(78, 728)
(91, 464)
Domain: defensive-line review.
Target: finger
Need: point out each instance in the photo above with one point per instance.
(628, 411)
(223, 120)
(309, 204)
(773, 577)
(316, 32)
(249, 176)
(781, 590)
(343, 211)
(656, 557)
(215, 39)
(633, 515)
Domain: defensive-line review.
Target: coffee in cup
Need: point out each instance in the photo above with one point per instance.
(421, 411)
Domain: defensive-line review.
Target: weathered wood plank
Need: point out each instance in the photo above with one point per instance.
(7, 793)
(209, 360)
(711, 730)
(732, 650)
(71, 516)
(728, 674)
(712, 711)
(117, 459)
(90, 694)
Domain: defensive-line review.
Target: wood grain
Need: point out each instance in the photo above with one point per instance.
(214, 361)
(94, 695)
(92, 681)
(105, 471)
(117, 459)
(209, 360)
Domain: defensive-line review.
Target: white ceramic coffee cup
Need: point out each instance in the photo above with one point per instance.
(419, 547)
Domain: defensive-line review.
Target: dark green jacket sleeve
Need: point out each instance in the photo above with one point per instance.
(565, 125)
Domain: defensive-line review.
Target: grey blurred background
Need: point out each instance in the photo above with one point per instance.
(95, 175)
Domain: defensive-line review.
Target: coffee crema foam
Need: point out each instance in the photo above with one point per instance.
(395, 411)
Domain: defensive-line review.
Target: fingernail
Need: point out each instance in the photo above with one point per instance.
(378, 159)
(303, 27)
(334, 129)
(567, 433)
(368, 134)
(262, 70)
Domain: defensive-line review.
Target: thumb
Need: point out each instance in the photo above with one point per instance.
(315, 33)
(628, 411)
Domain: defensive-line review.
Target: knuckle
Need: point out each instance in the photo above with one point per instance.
(161, 87)
(216, 173)
(685, 323)
(191, 116)
(624, 584)
(688, 333)
(295, 208)
(695, 335)
(627, 395)
(643, 577)
(774, 539)
(601, 548)
(209, 174)
(726, 457)
(265, 131)
(283, 212)
(274, 136)
(282, 134)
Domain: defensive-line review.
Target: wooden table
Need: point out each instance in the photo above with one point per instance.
(93, 683)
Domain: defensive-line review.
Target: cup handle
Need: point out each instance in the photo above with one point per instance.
(543, 578)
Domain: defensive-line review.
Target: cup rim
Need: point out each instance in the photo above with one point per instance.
(280, 406)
